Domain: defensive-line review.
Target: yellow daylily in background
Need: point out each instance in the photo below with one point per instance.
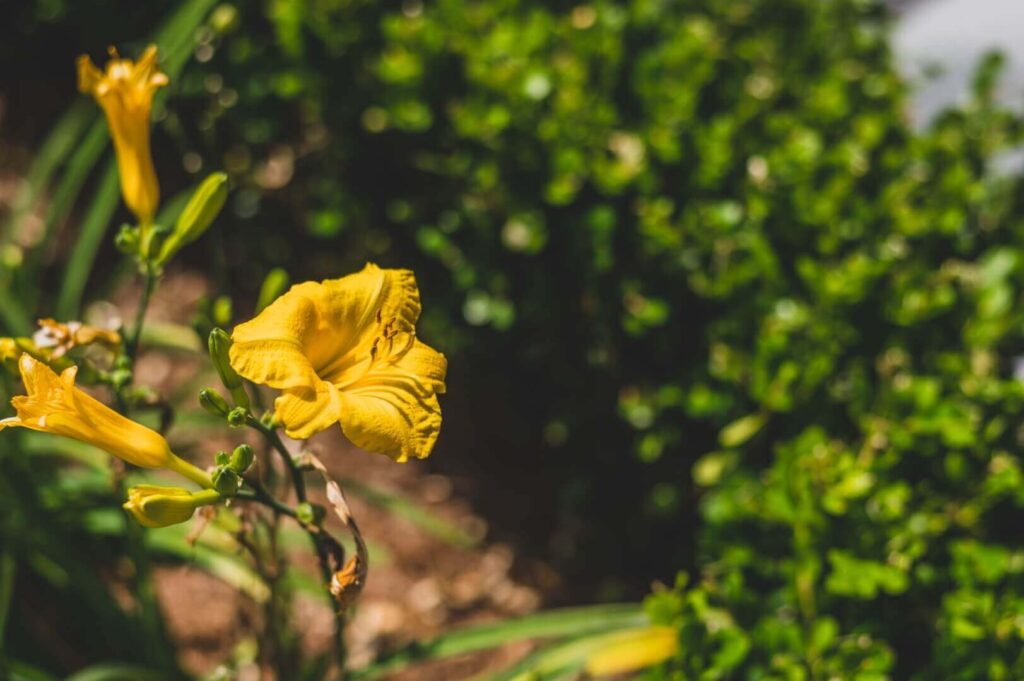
(155, 506)
(634, 650)
(345, 350)
(54, 405)
(125, 92)
(59, 337)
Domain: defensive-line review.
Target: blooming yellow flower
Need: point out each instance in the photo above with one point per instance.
(633, 650)
(59, 337)
(125, 92)
(345, 350)
(54, 405)
(155, 506)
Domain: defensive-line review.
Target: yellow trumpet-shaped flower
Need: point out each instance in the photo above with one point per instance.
(54, 405)
(345, 350)
(634, 650)
(155, 506)
(125, 92)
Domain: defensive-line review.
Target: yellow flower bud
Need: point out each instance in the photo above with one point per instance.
(155, 506)
(125, 92)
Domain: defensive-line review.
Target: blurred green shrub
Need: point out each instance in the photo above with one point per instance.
(710, 302)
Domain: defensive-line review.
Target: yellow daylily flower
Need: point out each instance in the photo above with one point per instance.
(634, 650)
(155, 506)
(345, 350)
(125, 92)
(54, 405)
(59, 337)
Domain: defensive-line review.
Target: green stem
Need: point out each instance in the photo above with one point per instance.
(190, 471)
(262, 496)
(132, 346)
(315, 537)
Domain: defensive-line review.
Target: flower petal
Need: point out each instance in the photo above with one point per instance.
(89, 76)
(353, 309)
(306, 412)
(393, 410)
(269, 349)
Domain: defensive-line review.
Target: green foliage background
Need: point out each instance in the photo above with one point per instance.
(710, 303)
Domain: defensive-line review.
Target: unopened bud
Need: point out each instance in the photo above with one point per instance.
(269, 419)
(213, 402)
(199, 214)
(309, 514)
(221, 458)
(120, 378)
(241, 459)
(237, 417)
(226, 481)
(220, 344)
(127, 240)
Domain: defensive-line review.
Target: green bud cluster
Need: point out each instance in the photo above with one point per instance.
(227, 478)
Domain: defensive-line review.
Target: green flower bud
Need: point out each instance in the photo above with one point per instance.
(241, 459)
(274, 285)
(120, 378)
(219, 344)
(237, 417)
(199, 214)
(269, 419)
(127, 240)
(226, 481)
(309, 514)
(213, 402)
(221, 458)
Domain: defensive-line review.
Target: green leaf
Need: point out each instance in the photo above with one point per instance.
(93, 228)
(556, 623)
